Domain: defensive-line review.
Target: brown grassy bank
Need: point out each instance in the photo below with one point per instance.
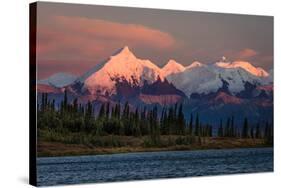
(123, 144)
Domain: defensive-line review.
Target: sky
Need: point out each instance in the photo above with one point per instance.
(74, 38)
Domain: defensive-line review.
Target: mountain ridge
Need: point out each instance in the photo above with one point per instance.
(124, 66)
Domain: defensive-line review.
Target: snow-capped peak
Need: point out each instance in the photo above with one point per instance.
(172, 67)
(122, 66)
(194, 64)
(257, 71)
(59, 80)
(203, 78)
(123, 54)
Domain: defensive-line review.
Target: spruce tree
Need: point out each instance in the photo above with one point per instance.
(258, 134)
(197, 125)
(88, 117)
(252, 132)
(210, 131)
(232, 131)
(220, 131)
(170, 120)
(190, 125)
(245, 131)
(43, 102)
(163, 120)
(137, 131)
(227, 128)
(65, 100)
(181, 120)
(107, 110)
(46, 100)
(143, 122)
(102, 112)
(53, 105)
(75, 105)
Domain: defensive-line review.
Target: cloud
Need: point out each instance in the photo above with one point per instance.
(247, 53)
(85, 38)
(257, 58)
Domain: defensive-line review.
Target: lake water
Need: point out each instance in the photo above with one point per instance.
(152, 165)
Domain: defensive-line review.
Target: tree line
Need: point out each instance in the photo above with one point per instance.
(247, 131)
(125, 120)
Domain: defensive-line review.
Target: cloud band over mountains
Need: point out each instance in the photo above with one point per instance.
(92, 38)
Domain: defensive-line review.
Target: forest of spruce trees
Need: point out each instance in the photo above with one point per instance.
(124, 120)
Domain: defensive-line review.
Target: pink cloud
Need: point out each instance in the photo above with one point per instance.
(247, 53)
(79, 37)
(263, 60)
(65, 45)
(243, 54)
(117, 31)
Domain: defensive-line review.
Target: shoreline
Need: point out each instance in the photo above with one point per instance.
(57, 149)
(149, 151)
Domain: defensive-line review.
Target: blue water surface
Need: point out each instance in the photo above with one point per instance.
(152, 165)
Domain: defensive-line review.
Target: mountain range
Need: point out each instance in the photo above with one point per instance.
(220, 87)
